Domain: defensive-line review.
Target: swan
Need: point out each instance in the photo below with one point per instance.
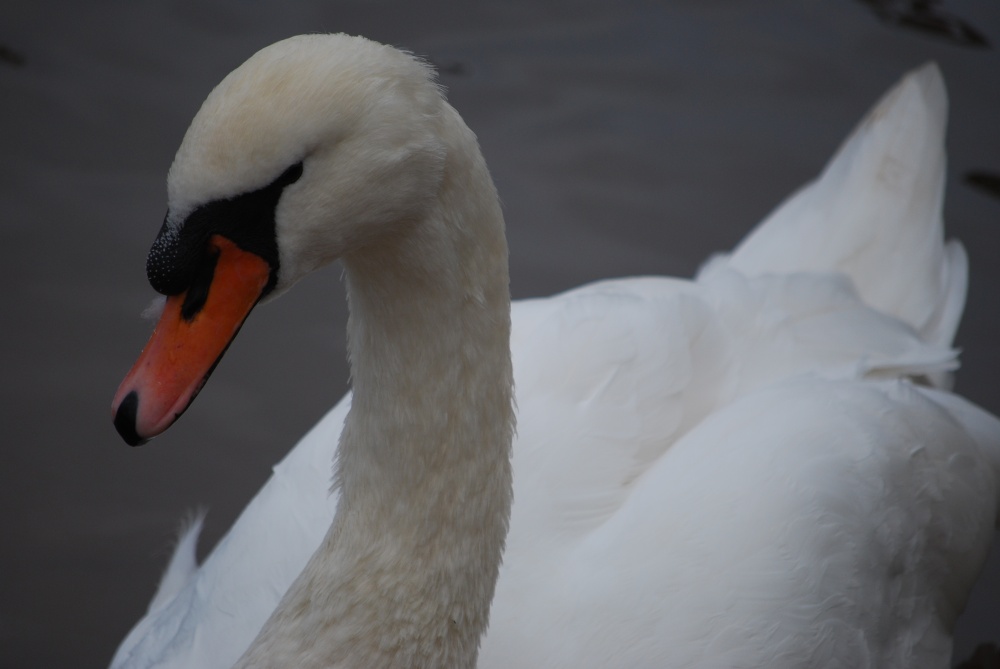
(763, 466)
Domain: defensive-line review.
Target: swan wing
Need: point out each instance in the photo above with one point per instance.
(875, 214)
(212, 619)
(810, 520)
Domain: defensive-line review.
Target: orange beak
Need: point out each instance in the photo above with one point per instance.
(185, 348)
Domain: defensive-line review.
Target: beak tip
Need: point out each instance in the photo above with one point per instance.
(125, 419)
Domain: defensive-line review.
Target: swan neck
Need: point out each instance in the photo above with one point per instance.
(406, 574)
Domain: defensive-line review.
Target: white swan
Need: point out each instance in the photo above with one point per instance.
(762, 467)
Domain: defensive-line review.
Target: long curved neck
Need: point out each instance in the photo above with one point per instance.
(406, 574)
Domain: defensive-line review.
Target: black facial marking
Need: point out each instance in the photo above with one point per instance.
(180, 258)
(197, 291)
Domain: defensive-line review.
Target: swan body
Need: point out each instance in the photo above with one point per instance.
(760, 467)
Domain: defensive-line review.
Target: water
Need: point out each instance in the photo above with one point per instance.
(624, 139)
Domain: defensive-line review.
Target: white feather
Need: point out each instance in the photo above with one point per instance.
(154, 308)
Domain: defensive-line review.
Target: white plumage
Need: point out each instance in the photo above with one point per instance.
(762, 467)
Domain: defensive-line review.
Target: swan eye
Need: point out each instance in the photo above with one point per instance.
(180, 253)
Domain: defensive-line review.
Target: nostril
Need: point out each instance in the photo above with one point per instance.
(125, 418)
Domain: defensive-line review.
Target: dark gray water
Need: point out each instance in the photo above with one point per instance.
(624, 138)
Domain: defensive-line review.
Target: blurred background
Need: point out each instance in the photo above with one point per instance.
(625, 138)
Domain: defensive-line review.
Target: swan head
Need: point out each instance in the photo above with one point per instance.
(316, 146)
